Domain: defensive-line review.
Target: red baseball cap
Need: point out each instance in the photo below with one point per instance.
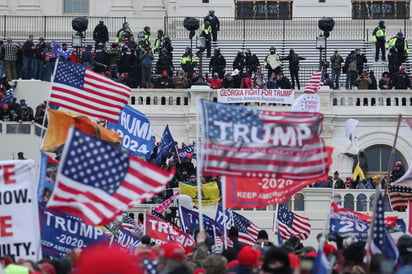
(248, 256)
(173, 251)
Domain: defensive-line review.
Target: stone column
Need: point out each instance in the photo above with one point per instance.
(121, 8)
(28, 7)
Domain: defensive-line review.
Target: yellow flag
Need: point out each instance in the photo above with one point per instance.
(358, 172)
(210, 192)
(60, 122)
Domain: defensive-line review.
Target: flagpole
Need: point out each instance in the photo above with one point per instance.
(275, 224)
(223, 184)
(199, 168)
(391, 159)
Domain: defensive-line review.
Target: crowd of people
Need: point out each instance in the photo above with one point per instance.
(146, 62)
(264, 257)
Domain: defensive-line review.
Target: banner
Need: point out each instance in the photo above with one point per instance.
(127, 240)
(47, 177)
(274, 96)
(259, 192)
(189, 222)
(19, 215)
(135, 130)
(61, 233)
(247, 142)
(163, 231)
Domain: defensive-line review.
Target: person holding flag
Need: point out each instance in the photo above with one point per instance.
(360, 164)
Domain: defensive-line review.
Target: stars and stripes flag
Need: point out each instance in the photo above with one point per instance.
(315, 83)
(400, 192)
(248, 231)
(247, 142)
(382, 242)
(97, 182)
(292, 224)
(82, 90)
(165, 205)
(130, 225)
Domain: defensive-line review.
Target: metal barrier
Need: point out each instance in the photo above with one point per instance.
(301, 28)
(52, 27)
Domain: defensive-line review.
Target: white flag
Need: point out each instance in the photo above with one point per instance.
(350, 126)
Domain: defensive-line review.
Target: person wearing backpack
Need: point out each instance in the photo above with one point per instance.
(294, 59)
(400, 43)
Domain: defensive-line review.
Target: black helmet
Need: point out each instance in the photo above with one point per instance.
(399, 34)
(211, 12)
(188, 50)
(217, 51)
(125, 25)
(167, 39)
(272, 50)
(247, 52)
(206, 19)
(147, 29)
(239, 53)
(159, 32)
(381, 23)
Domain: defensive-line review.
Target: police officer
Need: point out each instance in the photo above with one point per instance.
(124, 32)
(217, 63)
(400, 43)
(146, 31)
(272, 62)
(239, 62)
(251, 62)
(215, 24)
(100, 33)
(207, 34)
(379, 38)
(101, 59)
(188, 62)
(159, 42)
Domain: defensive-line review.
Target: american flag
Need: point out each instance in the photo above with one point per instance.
(399, 197)
(382, 242)
(130, 225)
(292, 224)
(82, 90)
(248, 231)
(150, 266)
(97, 182)
(165, 205)
(315, 83)
(247, 142)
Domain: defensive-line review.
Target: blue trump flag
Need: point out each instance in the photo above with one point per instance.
(165, 145)
(189, 221)
(59, 51)
(62, 232)
(136, 132)
(47, 177)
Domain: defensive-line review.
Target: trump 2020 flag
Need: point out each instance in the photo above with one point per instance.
(165, 145)
(81, 90)
(136, 132)
(247, 142)
(350, 126)
(291, 224)
(97, 182)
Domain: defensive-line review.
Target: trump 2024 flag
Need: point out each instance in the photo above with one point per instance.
(97, 182)
(81, 90)
(247, 142)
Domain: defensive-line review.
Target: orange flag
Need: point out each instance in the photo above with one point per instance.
(60, 122)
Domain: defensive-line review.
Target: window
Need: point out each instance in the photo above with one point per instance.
(378, 157)
(205, 1)
(348, 203)
(76, 6)
(380, 9)
(299, 202)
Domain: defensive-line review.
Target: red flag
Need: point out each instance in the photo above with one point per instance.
(163, 231)
(247, 142)
(314, 83)
(260, 192)
(97, 182)
(84, 91)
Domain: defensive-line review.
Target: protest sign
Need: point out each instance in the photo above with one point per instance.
(19, 221)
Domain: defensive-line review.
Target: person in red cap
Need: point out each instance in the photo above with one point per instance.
(164, 81)
(248, 258)
(172, 259)
(102, 259)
